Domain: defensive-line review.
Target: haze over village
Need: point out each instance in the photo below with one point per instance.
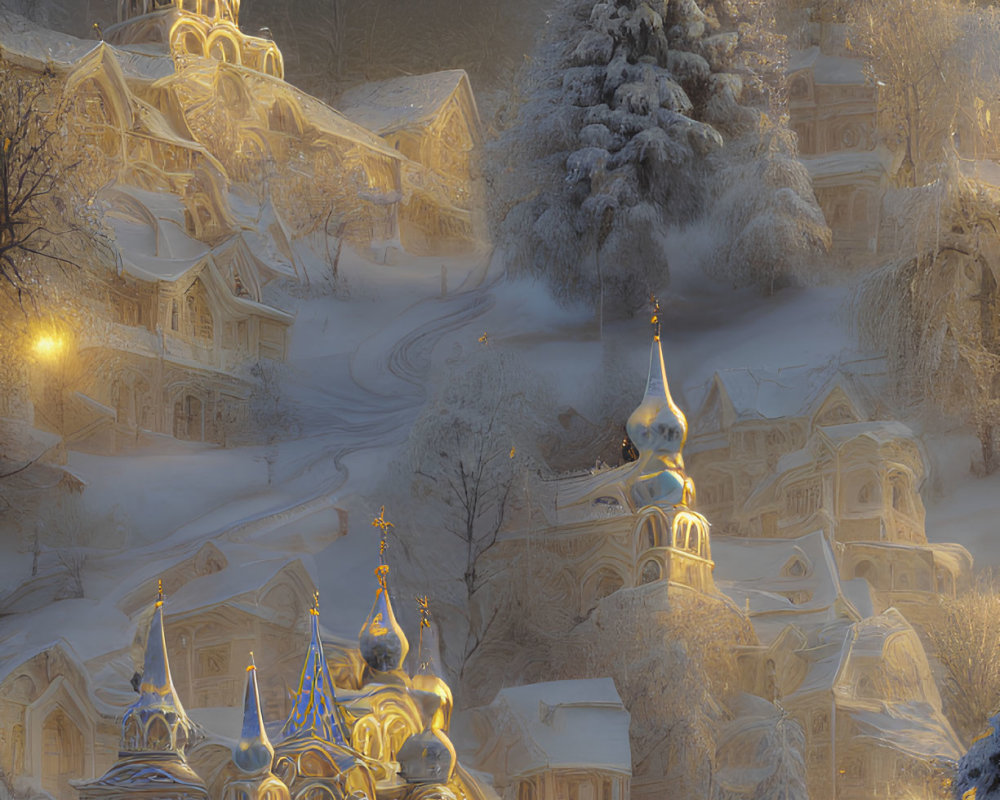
(481, 400)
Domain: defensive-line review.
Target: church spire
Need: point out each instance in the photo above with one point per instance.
(658, 429)
(253, 752)
(156, 722)
(382, 641)
(315, 711)
(657, 425)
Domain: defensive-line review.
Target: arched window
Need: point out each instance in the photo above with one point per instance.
(866, 570)
(651, 532)
(650, 572)
(223, 48)
(198, 313)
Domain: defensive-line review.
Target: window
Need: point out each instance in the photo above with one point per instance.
(652, 531)
(650, 572)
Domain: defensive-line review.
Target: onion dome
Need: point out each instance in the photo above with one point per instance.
(428, 677)
(315, 710)
(253, 752)
(428, 756)
(658, 429)
(156, 722)
(657, 426)
(382, 641)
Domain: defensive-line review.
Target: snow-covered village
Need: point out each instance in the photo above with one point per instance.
(499, 400)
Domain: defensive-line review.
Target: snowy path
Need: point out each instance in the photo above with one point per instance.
(345, 404)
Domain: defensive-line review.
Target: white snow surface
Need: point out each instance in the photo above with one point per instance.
(359, 369)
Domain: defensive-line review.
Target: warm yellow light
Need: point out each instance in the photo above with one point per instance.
(48, 346)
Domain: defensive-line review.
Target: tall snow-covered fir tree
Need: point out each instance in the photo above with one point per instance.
(643, 115)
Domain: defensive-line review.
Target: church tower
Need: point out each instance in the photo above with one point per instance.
(155, 733)
(195, 29)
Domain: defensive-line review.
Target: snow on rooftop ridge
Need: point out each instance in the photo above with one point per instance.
(573, 723)
(757, 573)
(29, 44)
(763, 393)
(827, 69)
(388, 105)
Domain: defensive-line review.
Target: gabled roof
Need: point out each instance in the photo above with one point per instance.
(745, 394)
(325, 119)
(827, 69)
(574, 724)
(752, 572)
(404, 102)
(240, 585)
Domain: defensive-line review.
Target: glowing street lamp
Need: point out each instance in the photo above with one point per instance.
(49, 347)
(50, 350)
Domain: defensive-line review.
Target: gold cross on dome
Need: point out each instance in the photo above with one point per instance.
(382, 524)
(424, 611)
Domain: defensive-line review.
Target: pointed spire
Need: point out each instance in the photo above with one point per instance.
(253, 752)
(156, 666)
(382, 641)
(158, 702)
(657, 426)
(315, 711)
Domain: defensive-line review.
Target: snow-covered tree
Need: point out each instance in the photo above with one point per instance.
(468, 455)
(966, 639)
(760, 755)
(935, 309)
(909, 46)
(630, 110)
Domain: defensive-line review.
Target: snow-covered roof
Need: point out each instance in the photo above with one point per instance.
(871, 165)
(86, 629)
(234, 583)
(564, 725)
(326, 119)
(914, 728)
(827, 69)
(26, 43)
(143, 63)
(389, 105)
(752, 572)
(880, 432)
(769, 394)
